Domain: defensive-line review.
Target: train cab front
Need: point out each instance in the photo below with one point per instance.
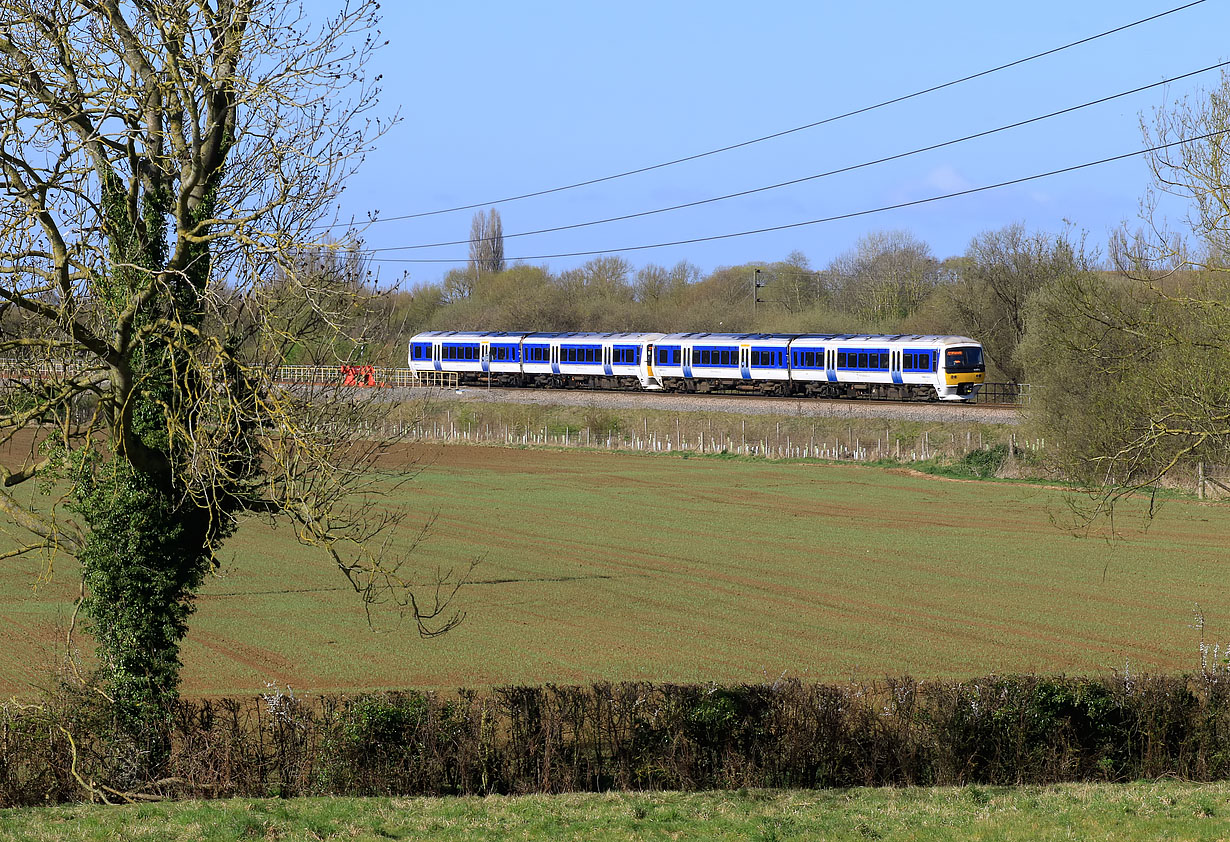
(962, 373)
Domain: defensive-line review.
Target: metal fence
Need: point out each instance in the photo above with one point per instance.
(1003, 394)
(991, 394)
(366, 375)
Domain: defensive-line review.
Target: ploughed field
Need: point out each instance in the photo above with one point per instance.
(608, 566)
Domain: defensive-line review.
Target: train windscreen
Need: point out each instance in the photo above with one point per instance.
(968, 358)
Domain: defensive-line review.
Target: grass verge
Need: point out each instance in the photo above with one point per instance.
(1123, 812)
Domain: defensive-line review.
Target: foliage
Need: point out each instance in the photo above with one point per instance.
(995, 730)
(1134, 370)
(167, 168)
(995, 280)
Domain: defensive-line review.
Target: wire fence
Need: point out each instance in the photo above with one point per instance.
(780, 441)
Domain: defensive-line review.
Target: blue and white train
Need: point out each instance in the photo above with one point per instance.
(900, 366)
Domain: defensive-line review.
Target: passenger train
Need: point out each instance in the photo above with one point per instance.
(899, 366)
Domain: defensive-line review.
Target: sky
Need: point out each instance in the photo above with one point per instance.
(501, 99)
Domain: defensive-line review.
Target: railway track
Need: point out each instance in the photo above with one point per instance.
(402, 383)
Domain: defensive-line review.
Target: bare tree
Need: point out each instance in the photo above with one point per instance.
(167, 164)
(885, 276)
(999, 274)
(1137, 368)
(487, 242)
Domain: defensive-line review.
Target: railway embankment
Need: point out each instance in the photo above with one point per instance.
(934, 412)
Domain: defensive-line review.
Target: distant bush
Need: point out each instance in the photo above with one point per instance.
(995, 730)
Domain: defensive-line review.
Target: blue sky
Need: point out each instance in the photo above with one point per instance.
(499, 99)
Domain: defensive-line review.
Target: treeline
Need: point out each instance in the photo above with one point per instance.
(889, 282)
(637, 736)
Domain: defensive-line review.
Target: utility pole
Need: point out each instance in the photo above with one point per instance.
(757, 284)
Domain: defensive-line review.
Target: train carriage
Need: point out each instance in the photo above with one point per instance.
(892, 366)
(467, 353)
(704, 361)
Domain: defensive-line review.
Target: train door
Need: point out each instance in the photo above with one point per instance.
(745, 362)
(435, 356)
(484, 355)
(831, 364)
(686, 355)
(649, 360)
(608, 359)
(894, 356)
(554, 358)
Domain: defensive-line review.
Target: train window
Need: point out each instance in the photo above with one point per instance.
(862, 360)
(809, 359)
(883, 362)
(841, 359)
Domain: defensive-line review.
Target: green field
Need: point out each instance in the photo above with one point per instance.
(618, 567)
(1123, 813)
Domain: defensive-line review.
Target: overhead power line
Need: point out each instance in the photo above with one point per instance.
(837, 217)
(839, 171)
(783, 133)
